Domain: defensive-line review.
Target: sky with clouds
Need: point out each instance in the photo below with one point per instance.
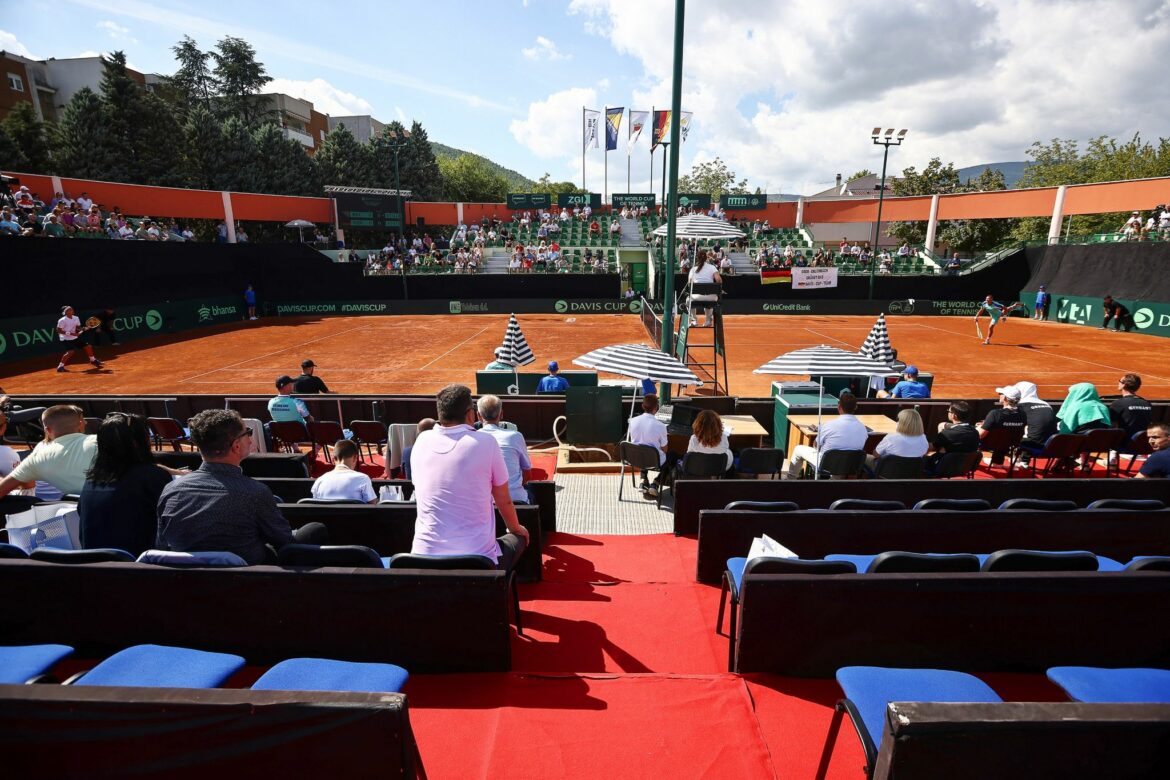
(785, 92)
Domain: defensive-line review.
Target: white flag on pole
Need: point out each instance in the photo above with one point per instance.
(592, 123)
(638, 120)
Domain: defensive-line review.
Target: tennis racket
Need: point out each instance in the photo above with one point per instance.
(90, 324)
(978, 329)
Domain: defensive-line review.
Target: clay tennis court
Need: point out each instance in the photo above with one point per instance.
(419, 354)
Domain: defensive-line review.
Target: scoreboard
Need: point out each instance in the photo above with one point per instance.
(376, 212)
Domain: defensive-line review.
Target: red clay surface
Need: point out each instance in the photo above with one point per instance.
(419, 354)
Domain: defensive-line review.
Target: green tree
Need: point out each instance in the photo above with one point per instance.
(546, 186)
(282, 165)
(934, 179)
(202, 144)
(860, 174)
(237, 169)
(713, 178)
(80, 145)
(468, 178)
(124, 119)
(419, 166)
(239, 76)
(159, 157)
(193, 83)
(11, 158)
(964, 235)
(28, 134)
(341, 160)
(1105, 159)
(974, 235)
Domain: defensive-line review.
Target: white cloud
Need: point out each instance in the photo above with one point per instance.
(544, 50)
(9, 42)
(325, 97)
(786, 93)
(553, 126)
(400, 114)
(116, 31)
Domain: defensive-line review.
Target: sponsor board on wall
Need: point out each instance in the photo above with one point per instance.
(813, 278)
(30, 336)
(1152, 317)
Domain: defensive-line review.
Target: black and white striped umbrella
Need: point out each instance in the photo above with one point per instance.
(515, 350)
(877, 343)
(640, 362)
(701, 226)
(823, 361)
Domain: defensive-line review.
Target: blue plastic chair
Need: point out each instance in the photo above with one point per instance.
(22, 663)
(869, 690)
(320, 674)
(1113, 686)
(898, 562)
(160, 666)
(739, 568)
(177, 559)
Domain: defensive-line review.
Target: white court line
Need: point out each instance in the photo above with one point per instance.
(832, 338)
(457, 346)
(1053, 354)
(270, 354)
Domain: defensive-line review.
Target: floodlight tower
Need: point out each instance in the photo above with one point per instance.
(886, 139)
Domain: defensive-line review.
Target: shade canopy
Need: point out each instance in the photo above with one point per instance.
(700, 226)
(823, 361)
(877, 343)
(515, 350)
(640, 362)
(299, 223)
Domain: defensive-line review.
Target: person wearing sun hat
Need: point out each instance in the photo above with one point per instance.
(1082, 410)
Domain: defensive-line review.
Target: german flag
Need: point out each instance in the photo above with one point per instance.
(783, 276)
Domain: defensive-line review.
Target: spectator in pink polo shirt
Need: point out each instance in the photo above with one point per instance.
(457, 472)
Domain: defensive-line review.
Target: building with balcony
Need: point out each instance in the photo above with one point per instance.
(364, 128)
(297, 117)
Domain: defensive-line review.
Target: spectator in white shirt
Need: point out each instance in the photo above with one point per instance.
(345, 481)
(843, 432)
(512, 445)
(647, 429)
(907, 441)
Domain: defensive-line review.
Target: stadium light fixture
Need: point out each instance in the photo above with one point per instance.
(886, 141)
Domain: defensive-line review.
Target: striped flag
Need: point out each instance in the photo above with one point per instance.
(660, 129)
(516, 351)
(782, 276)
(613, 121)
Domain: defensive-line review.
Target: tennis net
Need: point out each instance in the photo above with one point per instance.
(652, 322)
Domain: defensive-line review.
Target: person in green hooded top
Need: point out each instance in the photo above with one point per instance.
(1082, 410)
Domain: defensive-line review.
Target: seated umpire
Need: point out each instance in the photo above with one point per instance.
(217, 507)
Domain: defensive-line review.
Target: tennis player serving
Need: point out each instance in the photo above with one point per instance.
(995, 312)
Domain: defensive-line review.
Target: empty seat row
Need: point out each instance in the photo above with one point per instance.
(869, 690)
(160, 666)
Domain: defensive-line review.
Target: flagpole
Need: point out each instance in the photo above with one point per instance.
(652, 115)
(671, 217)
(605, 181)
(629, 135)
(583, 148)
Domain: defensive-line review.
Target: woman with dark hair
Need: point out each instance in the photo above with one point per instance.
(707, 435)
(119, 503)
(704, 272)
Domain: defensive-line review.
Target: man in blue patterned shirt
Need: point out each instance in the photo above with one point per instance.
(217, 507)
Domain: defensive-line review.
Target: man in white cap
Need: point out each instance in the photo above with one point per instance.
(497, 365)
(1008, 415)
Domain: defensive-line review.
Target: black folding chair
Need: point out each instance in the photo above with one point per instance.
(898, 467)
(639, 457)
(760, 460)
(841, 464)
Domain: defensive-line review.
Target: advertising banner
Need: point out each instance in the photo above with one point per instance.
(621, 199)
(813, 278)
(1151, 317)
(743, 202)
(570, 199)
(528, 200)
(30, 336)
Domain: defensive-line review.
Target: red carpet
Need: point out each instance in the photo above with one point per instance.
(654, 558)
(528, 726)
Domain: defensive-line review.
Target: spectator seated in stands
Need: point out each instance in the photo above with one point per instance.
(1132, 229)
(1130, 412)
(459, 472)
(217, 507)
(1008, 415)
(1082, 410)
(1157, 464)
(908, 387)
(954, 265)
(53, 228)
(62, 460)
(886, 264)
(119, 501)
(284, 408)
(907, 441)
(843, 432)
(956, 435)
(345, 481)
(595, 228)
(512, 445)
(615, 227)
(1040, 415)
(553, 383)
(709, 436)
(9, 225)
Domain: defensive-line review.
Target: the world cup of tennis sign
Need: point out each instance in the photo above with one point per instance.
(813, 278)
